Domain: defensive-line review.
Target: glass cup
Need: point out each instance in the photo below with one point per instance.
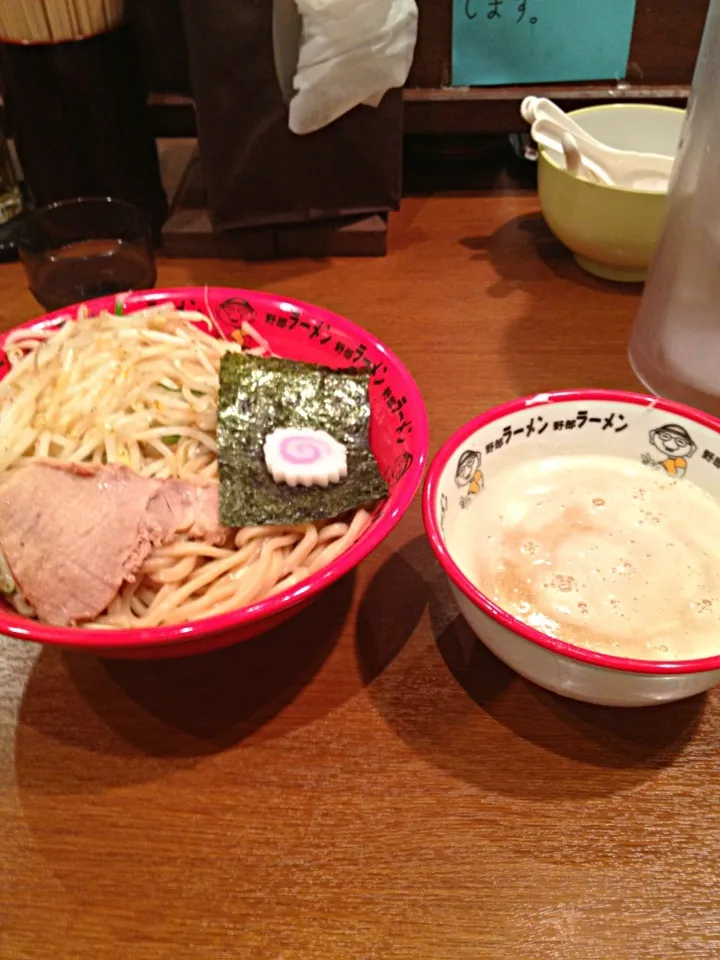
(675, 341)
(10, 195)
(88, 247)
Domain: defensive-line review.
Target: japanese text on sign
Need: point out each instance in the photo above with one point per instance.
(535, 41)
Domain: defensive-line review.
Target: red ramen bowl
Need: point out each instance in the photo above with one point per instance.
(296, 331)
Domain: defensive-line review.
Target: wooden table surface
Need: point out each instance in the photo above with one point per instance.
(363, 782)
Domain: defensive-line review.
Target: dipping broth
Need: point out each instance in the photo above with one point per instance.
(601, 552)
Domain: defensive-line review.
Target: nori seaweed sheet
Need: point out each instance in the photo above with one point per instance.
(259, 395)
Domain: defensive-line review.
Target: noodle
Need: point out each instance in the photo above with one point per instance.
(142, 389)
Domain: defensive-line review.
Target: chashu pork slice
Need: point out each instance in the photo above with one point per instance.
(192, 510)
(72, 534)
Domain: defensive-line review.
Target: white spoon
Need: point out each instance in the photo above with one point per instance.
(577, 162)
(624, 168)
(574, 163)
(646, 171)
(540, 108)
(659, 160)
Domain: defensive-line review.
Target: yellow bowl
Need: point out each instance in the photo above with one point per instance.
(611, 231)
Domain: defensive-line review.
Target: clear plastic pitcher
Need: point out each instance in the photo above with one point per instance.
(675, 342)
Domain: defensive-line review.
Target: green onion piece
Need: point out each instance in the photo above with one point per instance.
(172, 439)
(119, 310)
(168, 385)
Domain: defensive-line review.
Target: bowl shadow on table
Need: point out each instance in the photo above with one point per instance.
(467, 713)
(524, 251)
(115, 722)
(546, 347)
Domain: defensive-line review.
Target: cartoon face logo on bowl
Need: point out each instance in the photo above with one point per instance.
(400, 467)
(469, 475)
(676, 446)
(233, 312)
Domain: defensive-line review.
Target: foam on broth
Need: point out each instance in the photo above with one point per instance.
(600, 552)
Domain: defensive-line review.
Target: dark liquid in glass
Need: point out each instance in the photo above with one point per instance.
(90, 268)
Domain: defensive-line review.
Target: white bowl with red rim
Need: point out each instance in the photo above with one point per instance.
(608, 422)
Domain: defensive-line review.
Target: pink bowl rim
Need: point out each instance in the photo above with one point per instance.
(432, 527)
(397, 502)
